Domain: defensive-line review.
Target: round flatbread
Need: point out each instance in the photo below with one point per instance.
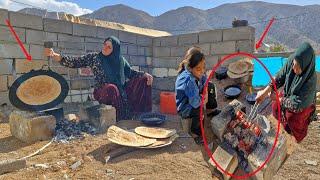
(161, 142)
(236, 76)
(39, 90)
(126, 138)
(238, 67)
(152, 132)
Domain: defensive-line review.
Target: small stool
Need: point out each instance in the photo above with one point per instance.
(186, 125)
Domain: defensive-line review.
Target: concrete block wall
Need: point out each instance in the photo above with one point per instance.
(158, 56)
(215, 44)
(69, 39)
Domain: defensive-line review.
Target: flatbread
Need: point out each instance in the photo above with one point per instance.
(238, 67)
(39, 90)
(152, 132)
(236, 76)
(126, 138)
(161, 142)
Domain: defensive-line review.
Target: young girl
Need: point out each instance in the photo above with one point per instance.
(189, 86)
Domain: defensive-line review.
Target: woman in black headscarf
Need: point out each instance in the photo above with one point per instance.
(298, 77)
(117, 84)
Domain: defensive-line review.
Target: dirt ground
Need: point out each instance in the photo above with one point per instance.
(181, 160)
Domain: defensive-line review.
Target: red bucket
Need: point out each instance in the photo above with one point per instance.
(168, 103)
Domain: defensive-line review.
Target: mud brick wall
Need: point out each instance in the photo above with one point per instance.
(158, 56)
(168, 52)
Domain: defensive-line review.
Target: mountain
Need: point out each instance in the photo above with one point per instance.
(294, 24)
(301, 26)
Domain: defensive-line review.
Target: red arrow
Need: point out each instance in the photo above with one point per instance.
(259, 43)
(28, 56)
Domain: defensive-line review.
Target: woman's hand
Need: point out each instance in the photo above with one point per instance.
(149, 79)
(50, 53)
(261, 95)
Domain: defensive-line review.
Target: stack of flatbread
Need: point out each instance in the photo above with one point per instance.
(142, 137)
(238, 69)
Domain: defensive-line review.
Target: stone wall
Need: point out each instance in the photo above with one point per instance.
(158, 56)
(168, 52)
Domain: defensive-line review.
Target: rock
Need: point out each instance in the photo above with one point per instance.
(75, 165)
(43, 166)
(10, 165)
(73, 159)
(310, 162)
(62, 163)
(43, 177)
(87, 159)
(72, 117)
(29, 127)
(65, 176)
(109, 172)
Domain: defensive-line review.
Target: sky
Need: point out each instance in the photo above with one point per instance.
(153, 7)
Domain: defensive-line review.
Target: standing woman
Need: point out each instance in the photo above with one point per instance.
(298, 77)
(117, 84)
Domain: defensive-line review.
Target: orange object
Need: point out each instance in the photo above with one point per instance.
(168, 103)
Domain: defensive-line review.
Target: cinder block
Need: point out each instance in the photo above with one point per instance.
(71, 45)
(93, 47)
(6, 66)
(4, 98)
(245, 46)
(84, 30)
(70, 38)
(77, 96)
(211, 61)
(188, 39)
(12, 51)
(168, 62)
(210, 36)
(96, 40)
(34, 37)
(3, 83)
(156, 41)
(6, 35)
(144, 40)
(260, 154)
(164, 84)
(10, 165)
(11, 79)
(141, 51)
(80, 84)
(318, 81)
(172, 73)
(65, 70)
(160, 72)
(223, 48)
(161, 52)
(239, 33)
(104, 32)
(149, 61)
(124, 49)
(51, 37)
(58, 26)
(28, 127)
(24, 66)
(205, 48)
(25, 20)
(101, 116)
(169, 41)
(179, 51)
(36, 52)
(227, 161)
(3, 16)
(138, 60)
(133, 50)
(127, 37)
(148, 51)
